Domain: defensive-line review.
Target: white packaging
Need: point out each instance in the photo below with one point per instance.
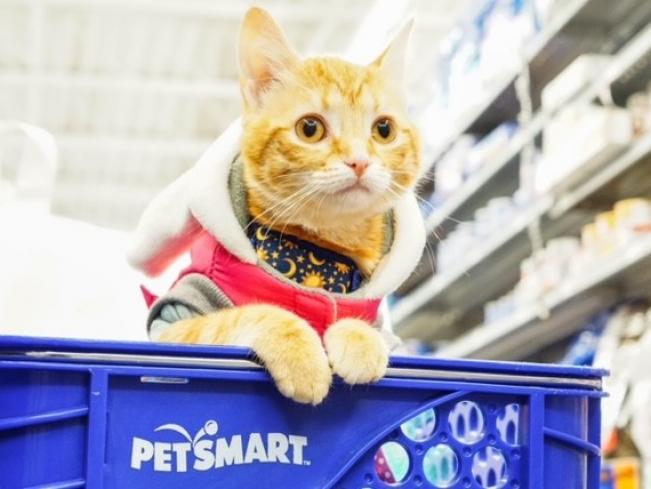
(578, 141)
(448, 172)
(576, 76)
(632, 219)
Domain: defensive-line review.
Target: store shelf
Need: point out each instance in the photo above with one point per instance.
(462, 282)
(486, 183)
(472, 119)
(624, 72)
(547, 321)
(487, 271)
(633, 58)
(639, 151)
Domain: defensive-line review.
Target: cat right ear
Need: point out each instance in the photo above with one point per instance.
(264, 55)
(392, 60)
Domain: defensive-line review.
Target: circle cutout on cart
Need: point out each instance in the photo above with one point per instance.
(421, 427)
(489, 468)
(392, 463)
(466, 422)
(441, 466)
(509, 425)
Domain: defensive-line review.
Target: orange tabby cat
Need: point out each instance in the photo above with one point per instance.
(327, 151)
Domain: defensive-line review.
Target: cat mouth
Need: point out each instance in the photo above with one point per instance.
(355, 187)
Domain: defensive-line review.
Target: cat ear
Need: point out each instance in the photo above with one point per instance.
(392, 60)
(264, 54)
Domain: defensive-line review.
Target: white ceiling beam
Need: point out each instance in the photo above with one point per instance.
(289, 12)
(214, 88)
(71, 142)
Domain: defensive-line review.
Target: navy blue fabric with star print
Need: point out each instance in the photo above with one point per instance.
(304, 262)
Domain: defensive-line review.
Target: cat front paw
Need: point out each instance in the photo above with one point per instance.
(295, 358)
(357, 352)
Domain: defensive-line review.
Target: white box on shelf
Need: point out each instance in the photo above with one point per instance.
(580, 140)
(572, 79)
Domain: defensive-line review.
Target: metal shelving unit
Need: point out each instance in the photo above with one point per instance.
(489, 270)
(502, 93)
(478, 188)
(442, 305)
(545, 56)
(547, 320)
(445, 289)
(487, 182)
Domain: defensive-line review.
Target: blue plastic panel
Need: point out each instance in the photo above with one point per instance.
(67, 423)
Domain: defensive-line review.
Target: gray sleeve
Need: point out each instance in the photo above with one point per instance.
(191, 296)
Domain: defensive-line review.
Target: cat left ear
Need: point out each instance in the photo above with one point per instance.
(264, 54)
(392, 60)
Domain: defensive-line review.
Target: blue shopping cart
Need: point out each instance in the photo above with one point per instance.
(138, 415)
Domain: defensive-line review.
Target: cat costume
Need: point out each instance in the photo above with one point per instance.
(205, 211)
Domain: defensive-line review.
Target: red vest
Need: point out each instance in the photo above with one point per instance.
(245, 283)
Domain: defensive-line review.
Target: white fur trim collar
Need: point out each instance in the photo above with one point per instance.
(200, 200)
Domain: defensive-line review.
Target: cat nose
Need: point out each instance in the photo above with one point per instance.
(358, 166)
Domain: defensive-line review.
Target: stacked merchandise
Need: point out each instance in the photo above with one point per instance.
(567, 258)
(467, 157)
(577, 76)
(451, 171)
(470, 55)
(579, 139)
(583, 138)
(619, 339)
(478, 57)
(498, 212)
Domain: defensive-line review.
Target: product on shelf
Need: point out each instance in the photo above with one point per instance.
(478, 54)
(619, 339)
(467, 157)
(621, 473)
(578, 140)
(632, 218)
(576, 76)
(639, 105)
(489, 147)
(449, 171)
(624, 350)
(583, 348)
(542, 272)
(629, 220)
(566, 257)
(467, 235)
(605, 234)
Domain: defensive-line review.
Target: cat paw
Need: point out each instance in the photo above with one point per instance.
(295, 358)
(185, 331)
(357, 352)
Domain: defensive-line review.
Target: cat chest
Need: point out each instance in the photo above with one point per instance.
(246, 283)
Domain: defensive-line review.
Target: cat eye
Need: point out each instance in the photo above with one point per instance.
(383, 130)
(310, 129)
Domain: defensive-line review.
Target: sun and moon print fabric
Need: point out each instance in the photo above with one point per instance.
(304, 262)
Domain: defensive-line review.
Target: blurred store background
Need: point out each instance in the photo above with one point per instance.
(536, 116)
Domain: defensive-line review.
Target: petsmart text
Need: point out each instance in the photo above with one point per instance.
(201, 453)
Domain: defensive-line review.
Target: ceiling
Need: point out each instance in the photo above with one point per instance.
(134, 90)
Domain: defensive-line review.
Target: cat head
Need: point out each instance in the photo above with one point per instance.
(325, 140)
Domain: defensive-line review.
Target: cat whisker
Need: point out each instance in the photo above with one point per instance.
(297, 202)
(418, 197)
(286, 201)
(298, 209)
